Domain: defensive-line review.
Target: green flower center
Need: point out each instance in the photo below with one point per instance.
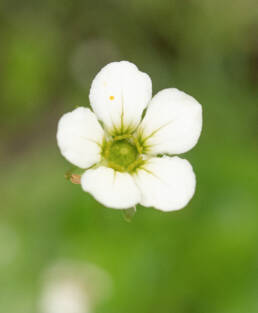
(122, 155)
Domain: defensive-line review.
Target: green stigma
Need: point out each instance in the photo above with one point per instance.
(122, 155)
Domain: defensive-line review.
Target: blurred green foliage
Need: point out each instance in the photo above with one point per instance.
(201, 259)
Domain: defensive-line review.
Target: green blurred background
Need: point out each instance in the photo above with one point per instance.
(203, 259)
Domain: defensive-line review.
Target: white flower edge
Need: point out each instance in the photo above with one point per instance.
(166, 183)
(172, 124)
(111, 188)
(119, 93)
(79, 137)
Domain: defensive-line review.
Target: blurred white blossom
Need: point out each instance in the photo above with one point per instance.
(72, 287)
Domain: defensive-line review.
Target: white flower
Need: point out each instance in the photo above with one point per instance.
(123, 160)
(73, 287)
(64, 296)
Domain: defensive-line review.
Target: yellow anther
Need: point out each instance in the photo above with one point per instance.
(111, 97)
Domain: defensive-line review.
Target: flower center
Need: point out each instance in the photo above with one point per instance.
(122, 155)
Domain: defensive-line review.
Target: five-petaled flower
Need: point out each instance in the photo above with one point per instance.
(126, 154)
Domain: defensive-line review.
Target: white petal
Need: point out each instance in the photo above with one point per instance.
(166, 184)
(111, 188)
(79, 137)
(172, 123)
(119, 94)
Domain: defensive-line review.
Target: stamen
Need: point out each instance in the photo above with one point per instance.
(135, 164)
(138, 146)
(111, 97)
(120, 137)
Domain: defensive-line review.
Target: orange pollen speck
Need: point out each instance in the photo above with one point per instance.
(111, 97)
